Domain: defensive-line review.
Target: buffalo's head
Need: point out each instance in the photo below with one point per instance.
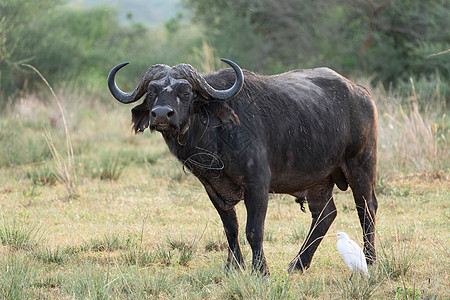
(171, 95)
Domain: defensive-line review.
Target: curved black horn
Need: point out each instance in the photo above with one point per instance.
(186, 71)
(232, 91)
(117, 93)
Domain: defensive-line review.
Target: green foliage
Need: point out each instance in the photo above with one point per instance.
(272, 36)
(405, 37)
(393, 39)
(14, 32)
(83, 45)
(80, 46)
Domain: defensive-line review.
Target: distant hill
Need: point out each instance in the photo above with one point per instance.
(150, 12)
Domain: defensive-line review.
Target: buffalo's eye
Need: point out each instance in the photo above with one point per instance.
(185, 95)
(151, 91)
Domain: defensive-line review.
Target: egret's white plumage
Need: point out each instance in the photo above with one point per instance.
(352, 254)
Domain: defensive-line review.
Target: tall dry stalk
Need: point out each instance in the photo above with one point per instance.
(206, 58)
(65, 168)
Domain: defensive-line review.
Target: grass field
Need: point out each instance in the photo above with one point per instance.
(119, 218)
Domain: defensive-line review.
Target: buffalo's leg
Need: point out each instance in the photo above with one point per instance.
(323, 212)
(256, 199)
(362, 183)
(231, 228)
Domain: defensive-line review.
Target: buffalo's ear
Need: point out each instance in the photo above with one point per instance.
(217, 113)
(140, 116)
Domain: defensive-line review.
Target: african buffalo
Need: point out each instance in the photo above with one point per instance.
(296, 133)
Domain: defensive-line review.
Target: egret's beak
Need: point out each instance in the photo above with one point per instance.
(331, 235)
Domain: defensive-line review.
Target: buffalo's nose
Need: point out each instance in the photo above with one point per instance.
(161, 113)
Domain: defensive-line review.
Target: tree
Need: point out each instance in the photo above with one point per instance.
(16, 16)
(390, 38)
(75, 46)
(402, 36)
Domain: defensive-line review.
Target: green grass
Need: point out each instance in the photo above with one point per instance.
(51, 256)
(19, 236)
(18, 272)
(142, 228)
(43, 174)
(22, 143)
(109, 242)
(139, 257)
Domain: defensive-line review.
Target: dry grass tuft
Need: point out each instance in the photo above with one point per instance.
(412, 133)
(65, 168)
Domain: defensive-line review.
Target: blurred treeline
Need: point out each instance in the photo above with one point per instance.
(394, 42)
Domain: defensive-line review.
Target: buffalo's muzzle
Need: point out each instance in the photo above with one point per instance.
(162, 117)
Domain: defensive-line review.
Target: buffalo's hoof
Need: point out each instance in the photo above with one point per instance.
(297, 265)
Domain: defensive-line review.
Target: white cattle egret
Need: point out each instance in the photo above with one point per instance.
(351, 253)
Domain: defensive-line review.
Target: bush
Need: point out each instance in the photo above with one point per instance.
(84, 44)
